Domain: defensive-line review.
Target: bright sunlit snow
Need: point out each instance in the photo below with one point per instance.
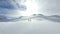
(33, 27)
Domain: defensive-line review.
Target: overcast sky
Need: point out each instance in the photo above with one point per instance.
(49, 7)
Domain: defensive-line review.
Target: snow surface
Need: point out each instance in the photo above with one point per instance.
(30, 27)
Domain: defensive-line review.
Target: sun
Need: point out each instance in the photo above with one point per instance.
(32, 8)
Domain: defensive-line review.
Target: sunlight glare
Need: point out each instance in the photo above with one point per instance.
(32, 8)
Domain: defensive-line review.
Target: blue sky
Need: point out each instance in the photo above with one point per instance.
(6, 4)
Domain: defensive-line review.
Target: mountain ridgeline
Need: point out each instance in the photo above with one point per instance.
(54, 18)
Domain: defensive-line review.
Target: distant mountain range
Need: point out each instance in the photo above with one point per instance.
(55, 18)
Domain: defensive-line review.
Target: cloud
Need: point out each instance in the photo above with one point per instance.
(11, 8)
(49, 7)
(6, 4)
(11, 4)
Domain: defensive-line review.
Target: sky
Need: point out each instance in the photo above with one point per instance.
(11, 7)
(46, 7)
(49, 7)
(46, 21)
